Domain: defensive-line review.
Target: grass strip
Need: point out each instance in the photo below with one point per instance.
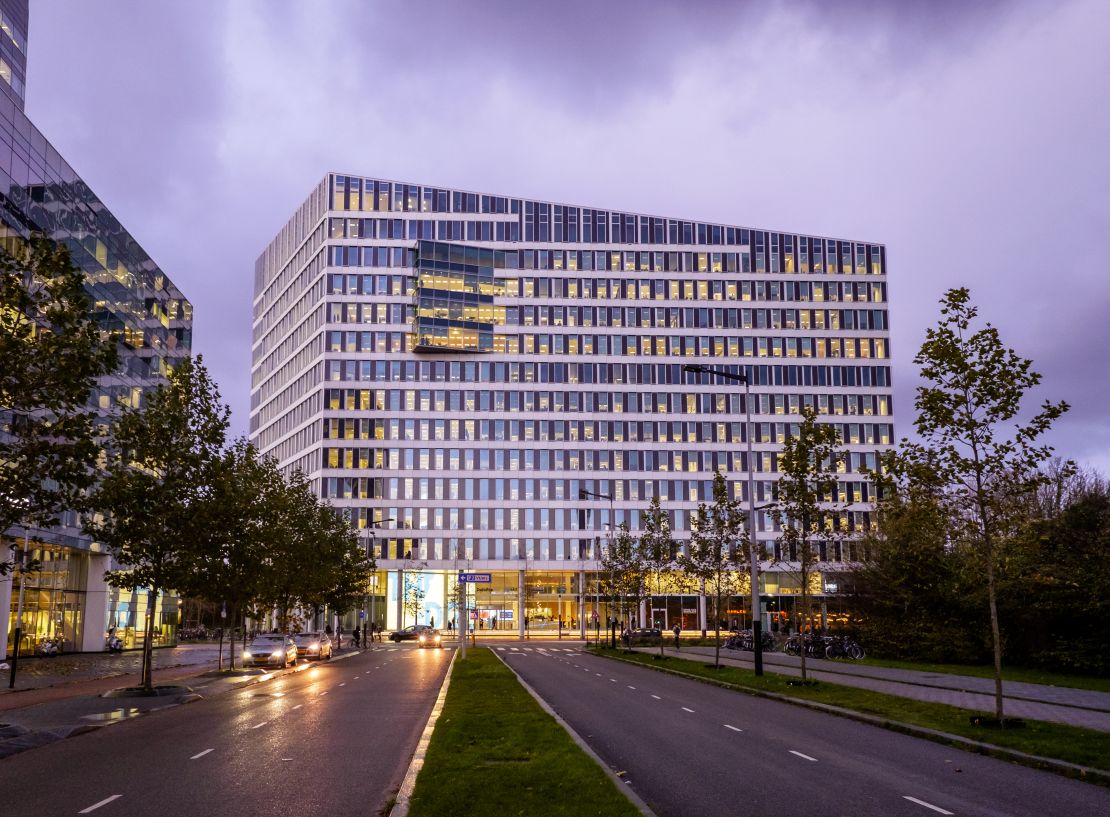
(495, 751)
(1085, 747)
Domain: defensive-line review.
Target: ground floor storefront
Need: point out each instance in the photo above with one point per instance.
(66, 600)
(576, 603)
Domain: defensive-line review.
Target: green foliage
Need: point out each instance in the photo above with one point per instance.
(149, 503)
(718, 549)
(51, 352)
(984, 464)
(805, 490)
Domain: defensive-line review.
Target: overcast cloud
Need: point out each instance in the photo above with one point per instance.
(970, 138)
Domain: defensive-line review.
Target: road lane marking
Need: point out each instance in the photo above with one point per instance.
(298, 706)
(687, 709)
(202, 754)
(103, 802)
(356, 678)
(259, 725)
(733, 728)
(343, 684)
(937, 809)
(656, 697)
(598, 674)
(631, 687)
(322, 694)
(805, 757)
(614, 680)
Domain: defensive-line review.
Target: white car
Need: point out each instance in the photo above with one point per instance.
(270, 649)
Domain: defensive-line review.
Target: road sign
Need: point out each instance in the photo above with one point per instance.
(475, 578)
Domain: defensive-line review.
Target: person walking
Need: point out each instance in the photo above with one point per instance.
(677, 630)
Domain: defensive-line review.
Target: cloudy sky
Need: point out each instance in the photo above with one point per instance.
(969, 137)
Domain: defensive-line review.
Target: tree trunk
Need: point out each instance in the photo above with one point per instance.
(231, 640)
(717, 629)
(805, 608)
(148, 641)
(996, 638)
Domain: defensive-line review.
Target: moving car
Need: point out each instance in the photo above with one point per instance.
(313, 645)
(270, 649)
(430, 638)
(410, 633)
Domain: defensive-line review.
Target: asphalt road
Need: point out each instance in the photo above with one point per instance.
(689, 748)
(334, 739)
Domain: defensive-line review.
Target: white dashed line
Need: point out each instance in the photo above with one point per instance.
(733, 728)
(343, 684)
(937, 809)
(687, 709)
(259, 725)
(201, 754)
(614, 680)
(598, 674)
(804, 757)
(631, 687)
(656, 697)
(103, 802)
(298, 706)
(322, 694)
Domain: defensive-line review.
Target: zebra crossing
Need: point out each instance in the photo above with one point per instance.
(538, 649)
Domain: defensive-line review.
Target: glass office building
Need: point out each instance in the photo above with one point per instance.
(41, 193)
(493, 383)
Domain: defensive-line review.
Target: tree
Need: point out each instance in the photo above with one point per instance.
(718, 551)
(156, 481)
(51, 353)
(911, 589)
(624, 572)
(235, 539)
(973, 390)
(413, 598)
(808, 468)
(658, 548)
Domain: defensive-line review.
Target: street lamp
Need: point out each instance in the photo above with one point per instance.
(583, 494)
(753, 555)
(371, 524)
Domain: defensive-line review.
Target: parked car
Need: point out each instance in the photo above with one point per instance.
(410, 633)
(313, 645)
(646, 635)
(430, 638)
(270, 649)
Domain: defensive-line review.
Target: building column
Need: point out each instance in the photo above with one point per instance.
(94, 617)
(643, 614)
(401, 599)
(521, 603)
(6, 585)
(582, 604)
(701, 608)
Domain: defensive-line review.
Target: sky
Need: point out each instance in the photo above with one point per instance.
(968, 137)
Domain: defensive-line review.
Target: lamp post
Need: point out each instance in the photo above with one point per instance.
(753, 555)
(371, 525)
(583, 494)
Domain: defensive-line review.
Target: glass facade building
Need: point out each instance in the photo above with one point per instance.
(494, 383)
(41, 193)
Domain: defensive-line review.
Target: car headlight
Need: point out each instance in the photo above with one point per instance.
(314, 648)
(278, 653)
(437, 638)
(246, 655)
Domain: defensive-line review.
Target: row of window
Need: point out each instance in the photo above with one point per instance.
(642, 317)
(603, 373)
(662, 289)
(526, 490)
(631, 345)
(599, 402)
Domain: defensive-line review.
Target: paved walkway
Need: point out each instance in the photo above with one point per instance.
(1076, 707)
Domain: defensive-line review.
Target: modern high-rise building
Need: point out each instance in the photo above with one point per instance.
(40, 193)
(494, 383)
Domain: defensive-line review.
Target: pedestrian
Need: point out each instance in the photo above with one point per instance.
(677, 630)
(355, 637)
(433, 622)
(339, 638)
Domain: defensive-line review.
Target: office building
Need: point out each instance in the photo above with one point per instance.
(493, 383)
(41, 193)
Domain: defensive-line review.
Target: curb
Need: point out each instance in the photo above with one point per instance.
(622, 785)
(1060, 767)
(404, 794)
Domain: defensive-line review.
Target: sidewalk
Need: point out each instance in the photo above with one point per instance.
(1075, 707)
(79, 702)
